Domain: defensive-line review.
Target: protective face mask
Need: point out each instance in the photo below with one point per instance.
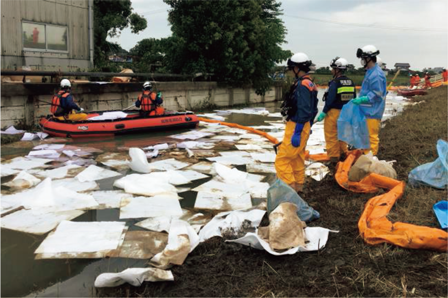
(363, 62)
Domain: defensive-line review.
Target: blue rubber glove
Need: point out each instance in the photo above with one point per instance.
(321, 117)
(360, 100)
(295, 140)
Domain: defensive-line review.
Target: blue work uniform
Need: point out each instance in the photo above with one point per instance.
(306, 100)
(374, 87)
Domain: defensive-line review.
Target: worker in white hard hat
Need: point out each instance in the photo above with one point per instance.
(149, 102)
(373, 94)
(340, 91)
(63, 106)
(300, 109)
(379, 61)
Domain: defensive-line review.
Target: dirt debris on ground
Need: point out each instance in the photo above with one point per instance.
(346, 266)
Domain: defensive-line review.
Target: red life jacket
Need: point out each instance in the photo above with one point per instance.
(56, 102)
(147, 99)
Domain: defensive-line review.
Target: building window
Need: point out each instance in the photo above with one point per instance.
(44, 37)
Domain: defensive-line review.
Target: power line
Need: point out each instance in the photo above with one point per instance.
(368, 25)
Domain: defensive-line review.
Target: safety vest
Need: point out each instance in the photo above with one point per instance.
(345, 90)
(147, 99)
(56, 108)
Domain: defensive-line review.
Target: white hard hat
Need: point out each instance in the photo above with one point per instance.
(147, 85)
(65, 83)
(367, 51)
(339, 63)
(379, 61)
(300, 60)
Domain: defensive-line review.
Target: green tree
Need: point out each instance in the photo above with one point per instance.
(110, 18)
(149, 53)
(238, 41)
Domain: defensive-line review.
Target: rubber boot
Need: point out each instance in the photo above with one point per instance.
(332, 166)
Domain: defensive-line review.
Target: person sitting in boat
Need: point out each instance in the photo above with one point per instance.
(428, 80)
(63, 106)
(149, 102)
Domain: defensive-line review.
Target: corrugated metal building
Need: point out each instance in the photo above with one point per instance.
(47, 34)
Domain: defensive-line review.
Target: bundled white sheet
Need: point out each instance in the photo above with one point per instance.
(109, 116)
(133, 276)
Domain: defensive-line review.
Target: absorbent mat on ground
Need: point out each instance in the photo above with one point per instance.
(317, 171)
(317, 238)
(48, 153)
(249, 147)
(265, 157)
(73, 238)
(191, 135)
(76, 185)
(143, 207)
(22, 163)
(202, 167)
(108, 199)
(231, 160)
(167, 164)
(258, 167)
(37, 222)
(93, 173)
(218, 201)
(58, 173)
(22, 181)
(140, 245)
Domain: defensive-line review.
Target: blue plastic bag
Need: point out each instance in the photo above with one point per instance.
(441, 211)
(435, 173)
(280, 192)
(352, 127)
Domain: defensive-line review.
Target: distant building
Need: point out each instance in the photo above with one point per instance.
(47, 35)
(402, 66)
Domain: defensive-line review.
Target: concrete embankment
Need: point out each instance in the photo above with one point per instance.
(24, 104)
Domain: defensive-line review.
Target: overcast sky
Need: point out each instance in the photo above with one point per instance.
(412, 31)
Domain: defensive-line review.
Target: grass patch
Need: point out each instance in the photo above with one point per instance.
(323, 79)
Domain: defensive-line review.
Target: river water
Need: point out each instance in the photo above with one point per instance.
(22, 275)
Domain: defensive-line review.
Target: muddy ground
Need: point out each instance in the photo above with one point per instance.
(346, 266)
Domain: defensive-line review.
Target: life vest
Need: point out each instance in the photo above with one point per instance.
(56, 108)
(289, 105)
(147, 99)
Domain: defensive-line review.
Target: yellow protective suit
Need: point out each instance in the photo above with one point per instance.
(333, 145)
(373, 125)
(73, 117)
(290, 160)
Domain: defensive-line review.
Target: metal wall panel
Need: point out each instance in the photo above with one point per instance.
(11, 28)
(70, 13)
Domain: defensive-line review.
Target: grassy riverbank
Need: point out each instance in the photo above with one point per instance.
(323, 79)
(346, 266)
